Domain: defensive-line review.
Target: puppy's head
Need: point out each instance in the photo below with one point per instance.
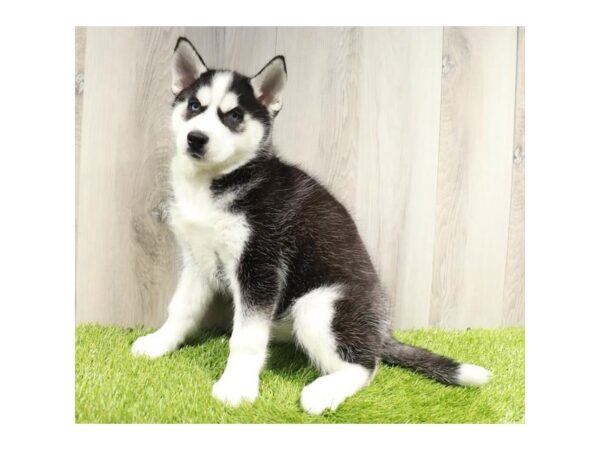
(221, 118)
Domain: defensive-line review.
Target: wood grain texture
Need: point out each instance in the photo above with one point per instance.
(318, 125)
(244, 49)
(397, 162)
(79, 85)
(413, 129)
(474, 176)
(210, 43)
(514, 282)
(248, 49)
(125, 253)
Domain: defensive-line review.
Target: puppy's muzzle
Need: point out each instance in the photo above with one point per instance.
(197, 144)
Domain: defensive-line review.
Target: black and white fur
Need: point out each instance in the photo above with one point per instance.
(274, 239)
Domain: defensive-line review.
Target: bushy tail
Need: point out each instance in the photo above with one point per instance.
(438, 367)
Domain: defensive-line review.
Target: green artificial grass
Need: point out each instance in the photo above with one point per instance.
(112, 386)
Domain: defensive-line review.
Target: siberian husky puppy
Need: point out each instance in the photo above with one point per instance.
(284, 249)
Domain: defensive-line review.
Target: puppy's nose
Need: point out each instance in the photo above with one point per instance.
(197, 143)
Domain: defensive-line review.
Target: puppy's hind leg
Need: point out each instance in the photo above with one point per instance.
(313, 316)
(329, 391)
(186, 309)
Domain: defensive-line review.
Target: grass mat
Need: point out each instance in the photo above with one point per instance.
(112, 386)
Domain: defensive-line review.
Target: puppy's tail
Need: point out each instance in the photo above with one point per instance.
(438, 367)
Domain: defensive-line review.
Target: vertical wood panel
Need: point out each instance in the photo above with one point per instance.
(244, 49)
(79, 91)
(514, 285)
(318, 125)
(474, 176)
(125, 254)
(412, 129)
(397, 162)
(248, 49)
(210, 43)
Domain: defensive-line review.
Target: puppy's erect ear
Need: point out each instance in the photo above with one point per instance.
(187, 65)
(268, 84)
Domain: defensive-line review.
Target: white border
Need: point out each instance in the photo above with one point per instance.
(563, 79)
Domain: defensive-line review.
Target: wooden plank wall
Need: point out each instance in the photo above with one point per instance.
(418, 131)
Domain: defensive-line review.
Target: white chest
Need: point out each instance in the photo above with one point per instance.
(205, 227)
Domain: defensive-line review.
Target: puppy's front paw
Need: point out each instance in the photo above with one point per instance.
(153, 345)
(234, 390)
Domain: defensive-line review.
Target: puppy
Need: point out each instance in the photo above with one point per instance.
(276, 242)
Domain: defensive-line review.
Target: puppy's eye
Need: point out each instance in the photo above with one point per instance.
(194, 105)
(235, 115)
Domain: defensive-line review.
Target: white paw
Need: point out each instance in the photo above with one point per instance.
(472, 375)
(153, 345)
(319, 396)
(234, 390)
